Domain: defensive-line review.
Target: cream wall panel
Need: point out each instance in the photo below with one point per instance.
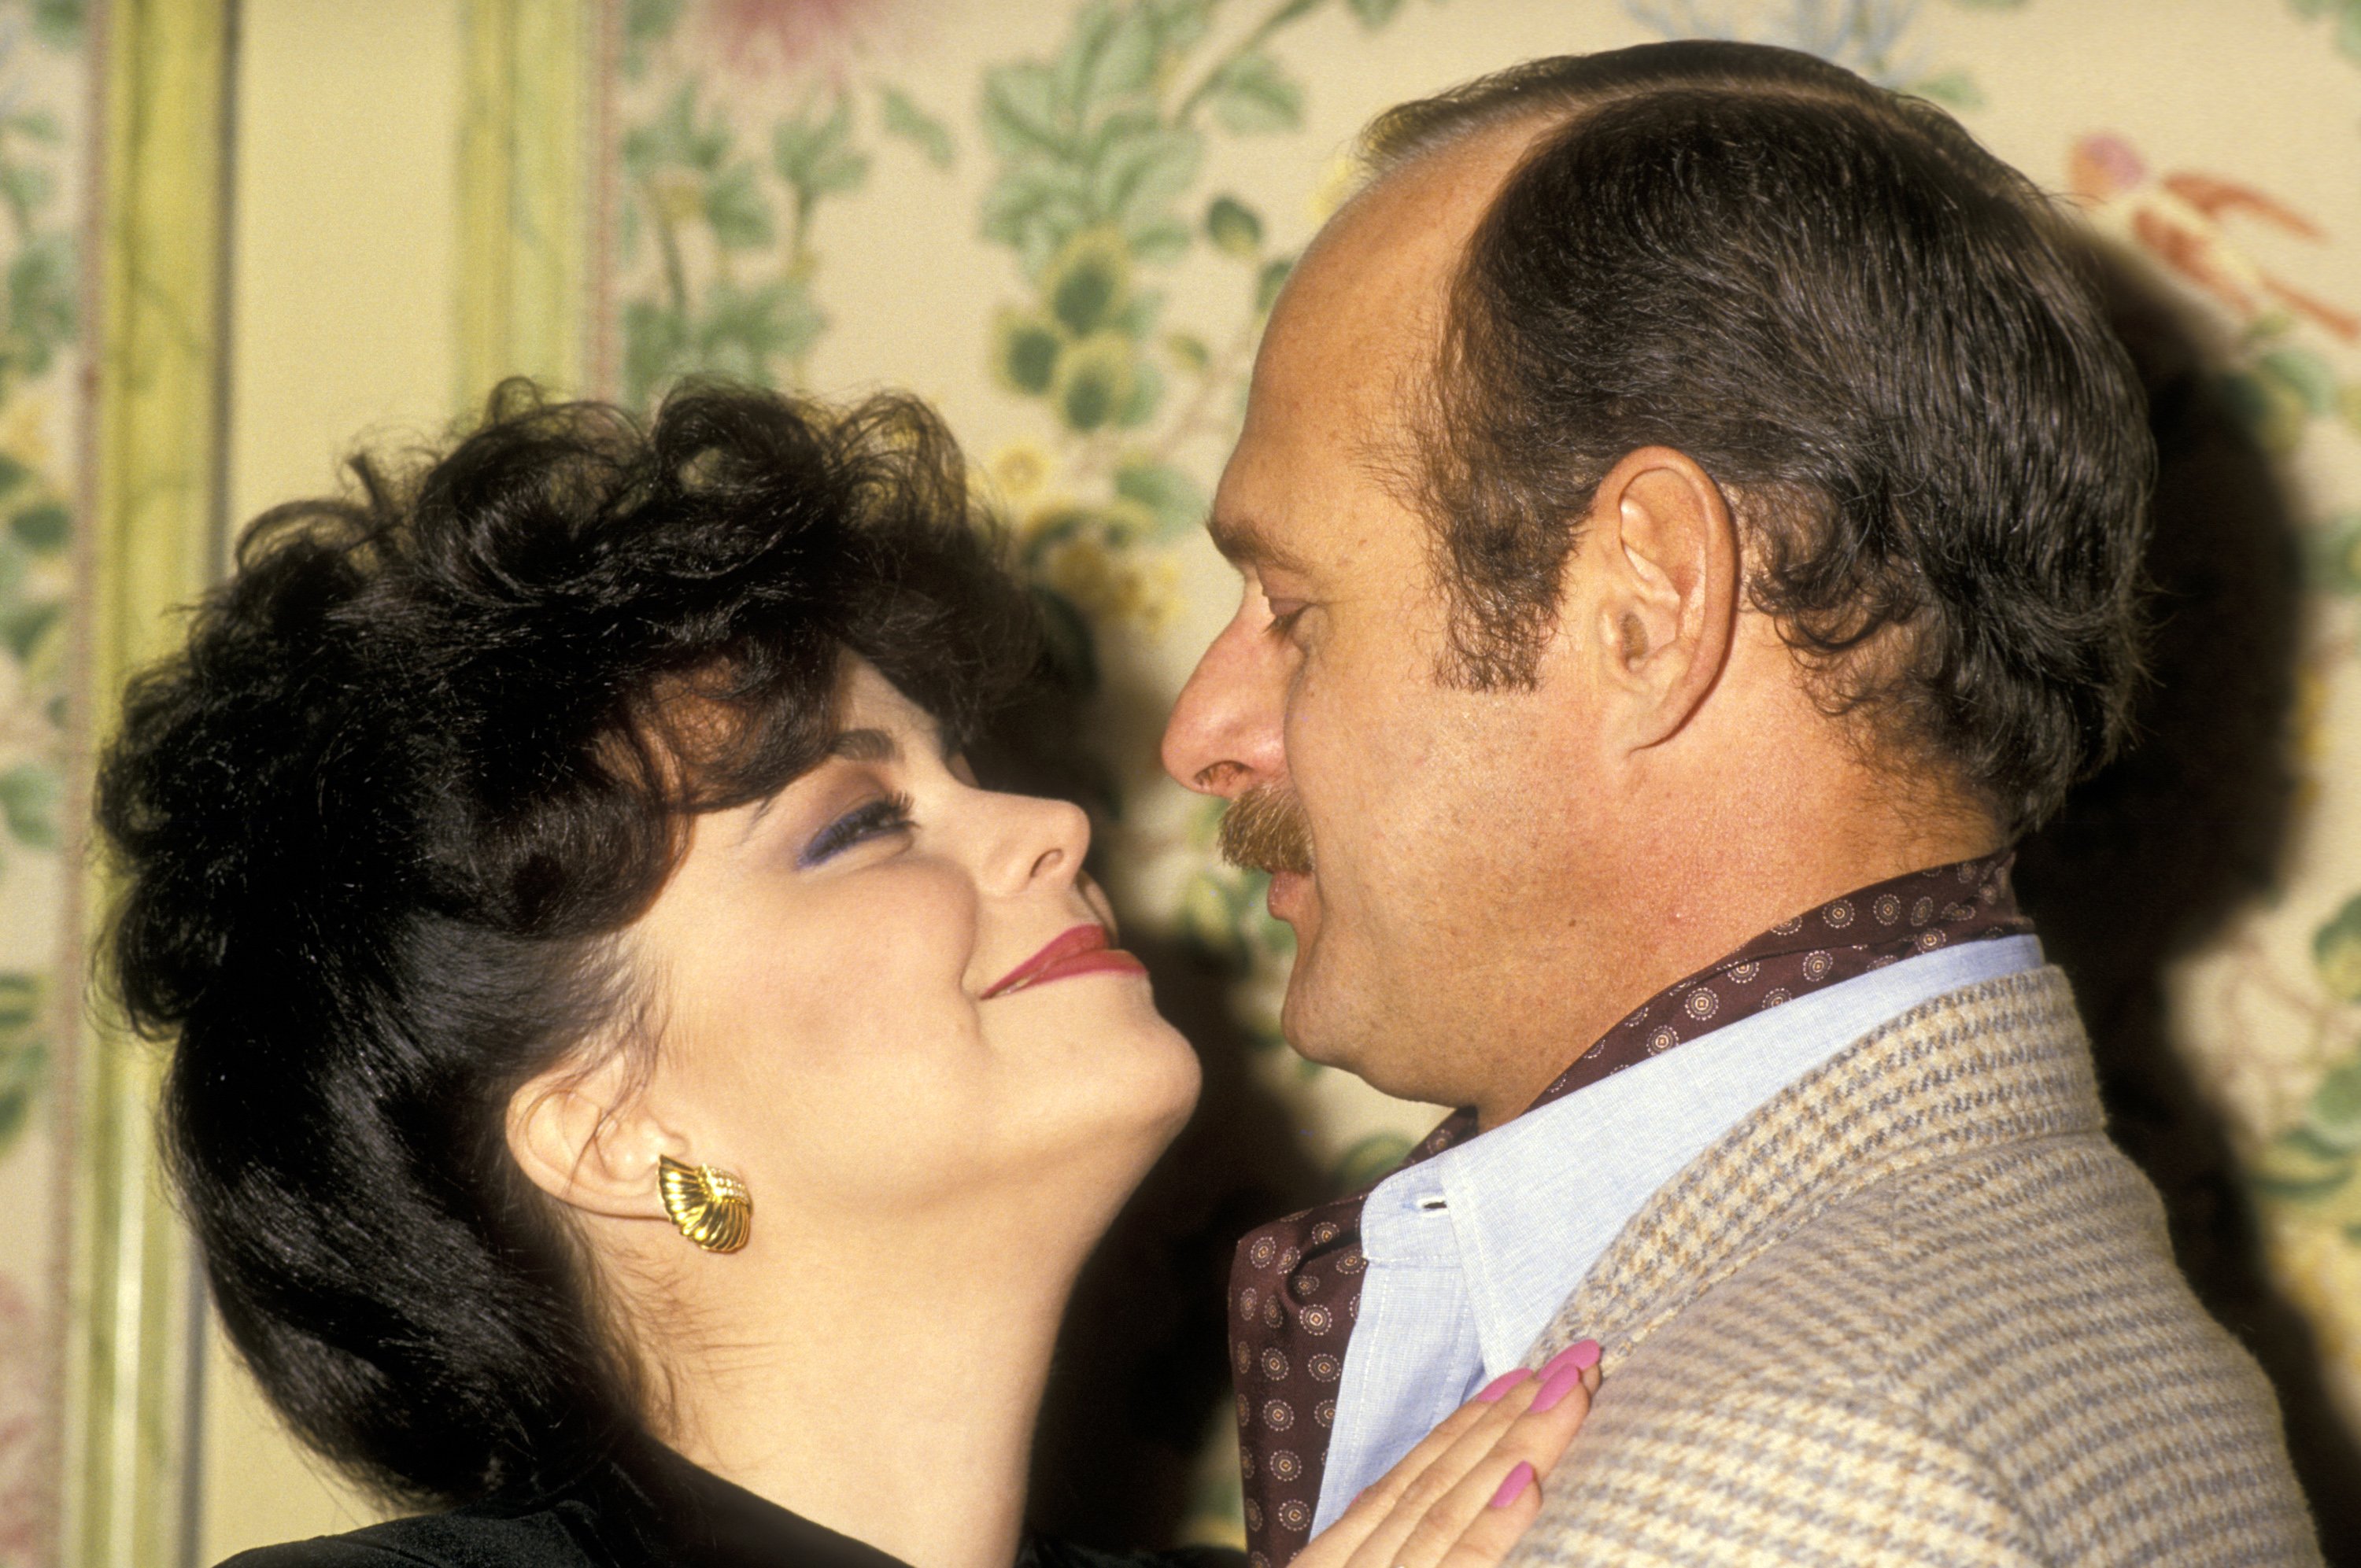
(345, 254)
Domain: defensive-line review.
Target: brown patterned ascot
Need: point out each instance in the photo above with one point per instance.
(1287, 1345)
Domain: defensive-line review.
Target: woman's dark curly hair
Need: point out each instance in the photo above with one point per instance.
(427, 749)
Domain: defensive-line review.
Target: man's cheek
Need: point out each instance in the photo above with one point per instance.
(1340, 766)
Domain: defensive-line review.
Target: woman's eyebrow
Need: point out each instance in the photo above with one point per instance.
(864, 746)
(850, 745)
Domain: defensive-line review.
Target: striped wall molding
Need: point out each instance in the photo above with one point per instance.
(525, 196)
(155, 498)
(154, 507)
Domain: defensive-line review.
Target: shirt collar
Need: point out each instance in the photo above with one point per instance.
(1523, 1211)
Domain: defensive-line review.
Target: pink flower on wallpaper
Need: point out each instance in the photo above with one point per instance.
(2185, 219)
(776, 37)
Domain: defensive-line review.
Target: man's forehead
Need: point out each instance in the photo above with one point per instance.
(1350, 343)
(1404, 231)
(1355, 332)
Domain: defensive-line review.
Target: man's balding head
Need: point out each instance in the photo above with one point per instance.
(1865, 327)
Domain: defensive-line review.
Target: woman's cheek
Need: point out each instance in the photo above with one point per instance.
(891, 954)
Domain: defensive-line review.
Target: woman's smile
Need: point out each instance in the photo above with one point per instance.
(1082, 949)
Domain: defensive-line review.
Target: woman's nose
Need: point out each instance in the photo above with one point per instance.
(1042, 841)
(1226, 732)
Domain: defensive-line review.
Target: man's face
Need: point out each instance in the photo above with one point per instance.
(1433, 923)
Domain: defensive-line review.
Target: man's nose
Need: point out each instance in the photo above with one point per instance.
(1226, 732)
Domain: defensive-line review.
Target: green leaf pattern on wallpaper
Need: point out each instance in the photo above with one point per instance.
(39, 311)
(2343, 20)
(1870, 36)
(731, 212)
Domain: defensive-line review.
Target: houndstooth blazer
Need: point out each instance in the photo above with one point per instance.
(1918, 1309)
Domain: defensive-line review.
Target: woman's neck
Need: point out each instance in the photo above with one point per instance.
(884, 1385)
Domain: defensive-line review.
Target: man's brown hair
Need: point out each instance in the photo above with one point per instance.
(1871, 332)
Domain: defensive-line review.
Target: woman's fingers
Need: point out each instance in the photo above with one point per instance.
(1469, 1526)
(1430, 1500)
(1482, 1411)
(1499, 1524)
(1425, 1491)
(1332, 1547)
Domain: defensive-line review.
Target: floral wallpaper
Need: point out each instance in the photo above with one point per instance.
(1065, 225)
(44, 85)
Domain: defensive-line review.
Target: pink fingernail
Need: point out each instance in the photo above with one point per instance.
(1582, 1355)
(1494, 1390)
(1514, 1487)
(1554, 1387)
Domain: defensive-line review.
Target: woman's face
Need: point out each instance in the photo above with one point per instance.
(881, 990)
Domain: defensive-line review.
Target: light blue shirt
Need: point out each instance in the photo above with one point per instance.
(1472, 1252)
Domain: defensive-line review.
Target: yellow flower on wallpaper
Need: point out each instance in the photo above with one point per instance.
(1337, 177)
(2314, 1256)
(1019, 472)
(676, 194)
(25, 432)
(1113, 586)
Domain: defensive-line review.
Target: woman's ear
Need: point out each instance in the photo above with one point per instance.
(1662, 554)
(587, 1138)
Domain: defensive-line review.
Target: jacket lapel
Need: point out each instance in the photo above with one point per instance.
(1996, 1063)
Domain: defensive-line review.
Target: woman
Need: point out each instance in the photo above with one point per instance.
(636, 1092)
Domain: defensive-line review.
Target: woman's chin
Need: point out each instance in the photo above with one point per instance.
(1163, 1118)
(1119, 1108)
(1169, 1078)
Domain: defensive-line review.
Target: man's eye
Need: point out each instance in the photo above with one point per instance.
(872, 820)
(1284, 614)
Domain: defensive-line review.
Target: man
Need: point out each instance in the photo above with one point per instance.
(1690, 510)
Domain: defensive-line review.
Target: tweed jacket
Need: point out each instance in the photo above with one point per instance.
(1918, 1309)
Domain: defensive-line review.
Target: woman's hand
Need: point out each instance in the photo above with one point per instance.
(1462, 1497)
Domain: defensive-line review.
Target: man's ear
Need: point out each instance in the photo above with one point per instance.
(1662, 561)
(587, 1138)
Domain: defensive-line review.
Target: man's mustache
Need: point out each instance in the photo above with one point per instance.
(1265, 829)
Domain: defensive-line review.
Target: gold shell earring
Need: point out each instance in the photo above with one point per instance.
(711, 1208)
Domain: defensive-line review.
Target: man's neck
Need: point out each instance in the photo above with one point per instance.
(1723, 898)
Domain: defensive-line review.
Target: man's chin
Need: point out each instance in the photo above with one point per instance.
(1317, 1024)
(1300, 1025)
(1333, 1022)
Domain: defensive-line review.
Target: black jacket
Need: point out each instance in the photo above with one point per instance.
(654, 1509)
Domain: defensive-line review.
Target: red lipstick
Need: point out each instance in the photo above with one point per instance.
(1080, 950)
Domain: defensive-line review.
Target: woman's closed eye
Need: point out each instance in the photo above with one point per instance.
(876, 818)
